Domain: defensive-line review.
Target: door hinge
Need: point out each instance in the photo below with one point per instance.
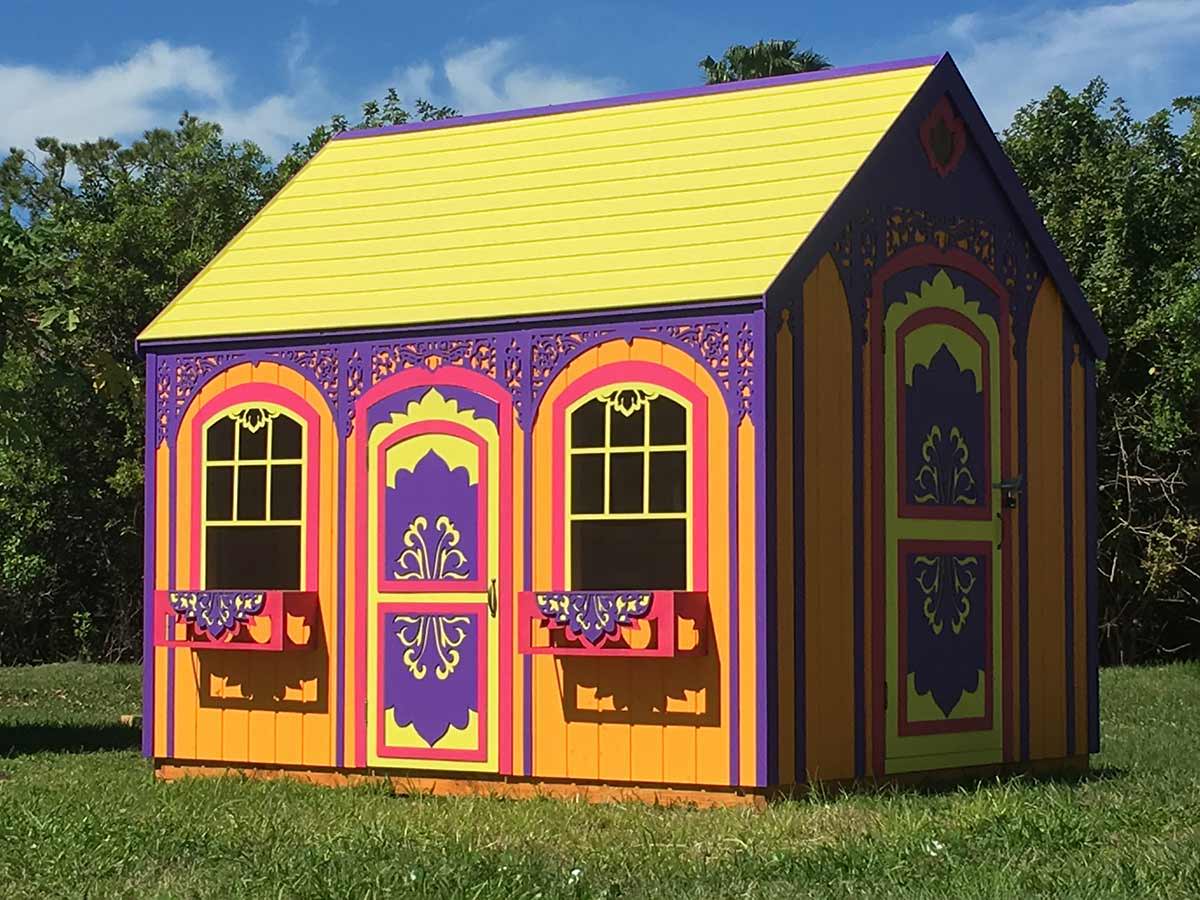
(885, 695)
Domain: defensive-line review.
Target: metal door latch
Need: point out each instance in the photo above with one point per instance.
(1010, 489)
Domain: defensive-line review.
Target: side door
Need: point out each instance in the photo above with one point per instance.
(431, 562)
(939, 430)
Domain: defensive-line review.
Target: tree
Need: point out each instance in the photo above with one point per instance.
(1122, 199)
(95, 238)
(761, 60)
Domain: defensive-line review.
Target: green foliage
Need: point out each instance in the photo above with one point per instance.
(80, 815)
(1122, 199)
(761, 60)
(95, 238)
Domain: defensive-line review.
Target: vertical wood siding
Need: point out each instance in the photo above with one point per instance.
(785, 566)
(644, 720)
(262, 708)
(1047, 547)
(828, 361)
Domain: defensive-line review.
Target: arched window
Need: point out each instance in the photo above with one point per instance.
(253, 500)
(628, 485)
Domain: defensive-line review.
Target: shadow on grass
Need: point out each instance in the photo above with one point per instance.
(934, 785)
(46, 737)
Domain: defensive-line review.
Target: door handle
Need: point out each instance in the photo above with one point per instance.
(1010, 489)
(492, 599)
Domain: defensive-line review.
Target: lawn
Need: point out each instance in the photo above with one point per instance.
(80, 814)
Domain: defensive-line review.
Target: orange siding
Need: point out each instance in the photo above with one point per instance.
(785, 571)
(1079, 560)
(517, 524)
(747, 607)
(828, 525)
(713, 670)
(643, 720)
(162, 563)
(1013, 559)
(645, 737)
(1047, 616)
(870, 677)
(263, 707)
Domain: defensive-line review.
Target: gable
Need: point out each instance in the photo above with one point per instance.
(972, 195)
(700, 194)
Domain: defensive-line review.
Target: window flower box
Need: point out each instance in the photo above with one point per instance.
(235, 620)
(613, 623)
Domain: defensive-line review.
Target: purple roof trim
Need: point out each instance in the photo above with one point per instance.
(631, 99)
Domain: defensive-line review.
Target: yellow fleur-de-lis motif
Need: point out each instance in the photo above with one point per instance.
(444, 562)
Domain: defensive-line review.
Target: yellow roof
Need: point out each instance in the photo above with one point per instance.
(696, 195)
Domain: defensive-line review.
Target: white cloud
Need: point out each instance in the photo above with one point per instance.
(108, 100)
(491, 77)
(157, 81)
(1145, 49)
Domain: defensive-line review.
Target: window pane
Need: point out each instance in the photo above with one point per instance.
(625, 483)
(628, 430)
(587, 483)
(646, 555)
(220, 438)
(265, 557)
(252, 493)
(668, 421)
(285, 492)
(668, 481)
(252, 444)
(587, 425)
(219, 492)
(285, 438)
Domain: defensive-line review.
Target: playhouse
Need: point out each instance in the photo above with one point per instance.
(697, 444)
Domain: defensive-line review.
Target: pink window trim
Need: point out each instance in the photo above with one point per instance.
(252, 393)
(401, 586)
(356, 452)
(479, 753)
(614, 374)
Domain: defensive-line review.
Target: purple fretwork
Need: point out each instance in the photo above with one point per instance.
(594, 615)
(217, 612)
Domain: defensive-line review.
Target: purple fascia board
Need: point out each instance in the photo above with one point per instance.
(649, 97)
(442, 327)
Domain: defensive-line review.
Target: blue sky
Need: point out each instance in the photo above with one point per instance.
(271, 70)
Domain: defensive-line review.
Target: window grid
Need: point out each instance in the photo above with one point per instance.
(646, 449)
(237, 463)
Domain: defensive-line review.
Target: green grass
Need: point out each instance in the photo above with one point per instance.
(80, 814)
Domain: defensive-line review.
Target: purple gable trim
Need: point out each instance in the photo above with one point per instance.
(1022, 205)
(148, 562)
(648, 97)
